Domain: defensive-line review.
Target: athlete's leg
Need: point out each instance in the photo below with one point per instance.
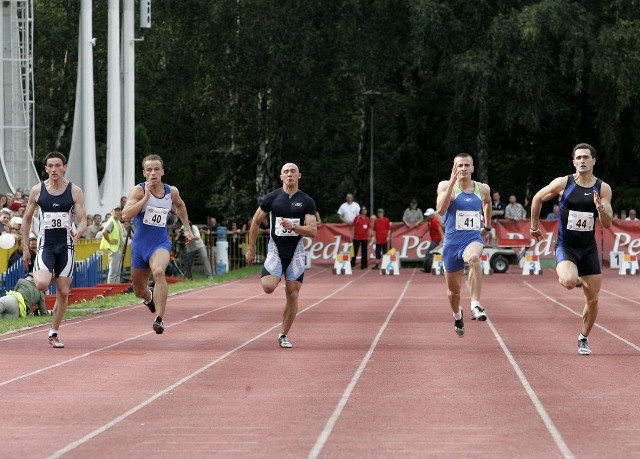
(567, 274)
(292, 289)
(63, 286)
(158, 264)
(471, 256)
(591, 287)
(140, 281)
(269, 283)
(454, 284)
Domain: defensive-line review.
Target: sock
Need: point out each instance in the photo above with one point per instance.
(458, 315)
(475, 303)
(581, 336)
(158, 319)
(53, 331)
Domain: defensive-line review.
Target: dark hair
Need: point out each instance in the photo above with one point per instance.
(55, 154)
(583, 146)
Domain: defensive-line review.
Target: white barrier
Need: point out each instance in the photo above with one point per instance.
(628, 265)
(342, 264)
(437, 267)
(531, 265)
(390, 265)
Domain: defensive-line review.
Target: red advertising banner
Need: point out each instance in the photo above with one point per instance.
(411, 243)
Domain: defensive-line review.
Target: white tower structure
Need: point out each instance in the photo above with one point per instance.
(16, 97)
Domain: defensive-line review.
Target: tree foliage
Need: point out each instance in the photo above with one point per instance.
(227, 91)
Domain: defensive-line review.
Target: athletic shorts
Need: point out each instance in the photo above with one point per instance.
(56, 257)
(452, 255)
(586, 259)
(292, 267)
(140, 257)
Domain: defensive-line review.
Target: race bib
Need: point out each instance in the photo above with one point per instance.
(55, 220)
(155, 216)
(580, 221)
(468, 220)
(280, 231)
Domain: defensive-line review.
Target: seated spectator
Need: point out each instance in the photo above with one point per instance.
(95, 227)
(5, 218)
(554, 214)
(25, 299)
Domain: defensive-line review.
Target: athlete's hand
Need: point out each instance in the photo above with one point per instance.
(250, 255)
(538, 235)
(189, 237)
(597, 200)
(26, 259)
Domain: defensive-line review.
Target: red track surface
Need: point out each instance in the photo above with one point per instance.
(376, 371)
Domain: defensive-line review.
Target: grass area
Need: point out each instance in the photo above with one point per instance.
(125, 299)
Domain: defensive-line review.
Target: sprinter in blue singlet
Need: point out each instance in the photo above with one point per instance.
(149, 204)
(59, 201)
(584, 198)
(466, 206)
(292, 214)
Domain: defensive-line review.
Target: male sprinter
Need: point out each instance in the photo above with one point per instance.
(292, 214)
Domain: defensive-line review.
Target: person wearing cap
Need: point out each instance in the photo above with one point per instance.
(112, 241)
(382, 235)
(436, 234)
(466, 207)
(412, 216)
(23, 300)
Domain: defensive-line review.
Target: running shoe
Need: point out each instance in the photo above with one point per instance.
(458, 325)
(150, 304)
(583, 347)
(55, 341)
(477, 313)
(158, 326)
(283, 341)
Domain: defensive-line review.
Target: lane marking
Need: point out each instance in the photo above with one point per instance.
(546, 419)
(331, 422)
(597, 325)
(73, 445)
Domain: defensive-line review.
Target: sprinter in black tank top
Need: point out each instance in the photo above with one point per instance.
(57, 198)
(583, 198)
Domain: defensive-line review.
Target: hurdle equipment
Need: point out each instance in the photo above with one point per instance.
(531, 265)
(485, 266)
(342, 264)
(615, 259)
(437, 266)
(628, 265)
(390, 264)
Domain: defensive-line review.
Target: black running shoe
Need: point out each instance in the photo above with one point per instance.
(150, 304)
(158, 326)
(459, 325)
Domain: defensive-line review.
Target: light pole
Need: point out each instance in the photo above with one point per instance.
(371, 95)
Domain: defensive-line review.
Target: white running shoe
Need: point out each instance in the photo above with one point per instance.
(283, 341)
(477, 313)
(583, 347)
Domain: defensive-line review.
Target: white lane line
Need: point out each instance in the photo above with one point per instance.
(600, 327)
(331, 422)
(546, 419)
(73, 445)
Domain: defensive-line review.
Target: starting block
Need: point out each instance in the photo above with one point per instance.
(342, 264)
(628, 265)
(390, 265)
(485, 266)
(437, 266)
(531, 265)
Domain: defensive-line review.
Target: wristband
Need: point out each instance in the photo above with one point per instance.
(534, 230)
(487, 228)
(293, 227)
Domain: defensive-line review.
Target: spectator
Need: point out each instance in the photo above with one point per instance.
(196, 247)
(623, 214)
(234, 237)
(95, 227)
(553, 215)
(497, 206)
(349, 210)
(3, 201)
(382, 234)
(412, 216)
(25, 299)
(12, 203)
(632, 216)
(5, 218)
(360, 237)
(514, 210)
(112, 240)
(436, 234)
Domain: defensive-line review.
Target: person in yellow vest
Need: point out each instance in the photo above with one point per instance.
(25, 299)
(113, 241)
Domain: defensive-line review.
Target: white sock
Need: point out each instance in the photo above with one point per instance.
(53, 331)
(458, 315)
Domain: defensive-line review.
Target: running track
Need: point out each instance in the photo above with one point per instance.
(376, 371)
